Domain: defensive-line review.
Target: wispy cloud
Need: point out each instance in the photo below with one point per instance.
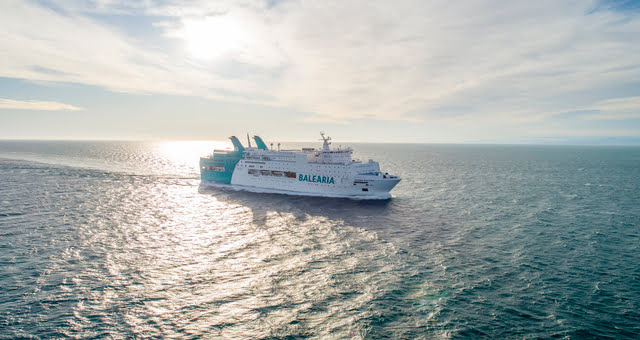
(36, 105)
(616, 109)
(486, 63)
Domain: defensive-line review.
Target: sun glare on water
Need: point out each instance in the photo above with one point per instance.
(212, 37)
(181, 157)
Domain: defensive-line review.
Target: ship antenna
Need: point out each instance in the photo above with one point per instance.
(248, 140)
(325, 145)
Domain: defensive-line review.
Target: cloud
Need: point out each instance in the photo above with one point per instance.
(489, 63)
(616, 109)
(75, 48)
(439, 60)
(36, 105)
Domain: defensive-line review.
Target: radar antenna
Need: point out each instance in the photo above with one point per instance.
(325, 145)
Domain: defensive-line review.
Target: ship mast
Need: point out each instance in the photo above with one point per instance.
(325, 145)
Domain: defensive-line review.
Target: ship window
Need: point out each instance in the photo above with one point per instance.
(252, 172)
(365, 189)
(290, 174)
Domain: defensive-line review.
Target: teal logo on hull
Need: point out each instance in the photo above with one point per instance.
(316, 179)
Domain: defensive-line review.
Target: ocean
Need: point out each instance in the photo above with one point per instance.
(121, 240)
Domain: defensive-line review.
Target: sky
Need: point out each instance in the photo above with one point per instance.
(369, 71)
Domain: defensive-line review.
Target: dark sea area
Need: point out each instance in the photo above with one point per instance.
(121, 240)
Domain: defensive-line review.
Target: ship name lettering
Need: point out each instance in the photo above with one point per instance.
(316, 179)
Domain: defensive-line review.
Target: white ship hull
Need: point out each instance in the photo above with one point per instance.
(237, 187)
(339, 180)
(308, 172)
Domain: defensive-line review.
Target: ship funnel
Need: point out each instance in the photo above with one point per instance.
(236, 143)
(260, 143)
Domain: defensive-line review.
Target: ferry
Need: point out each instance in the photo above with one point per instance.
(327, 171)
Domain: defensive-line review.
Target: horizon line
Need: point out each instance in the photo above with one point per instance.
(524, 143)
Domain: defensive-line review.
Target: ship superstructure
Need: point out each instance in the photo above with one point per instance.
(309, 171)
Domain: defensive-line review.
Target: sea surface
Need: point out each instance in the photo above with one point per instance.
(121, 240)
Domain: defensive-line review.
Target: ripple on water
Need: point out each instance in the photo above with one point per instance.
(479, 241)
(158, 258)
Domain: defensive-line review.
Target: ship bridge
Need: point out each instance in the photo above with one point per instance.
(339, 156)
(327, 155)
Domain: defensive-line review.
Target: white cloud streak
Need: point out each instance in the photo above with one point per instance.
(36, 105)
(616, 109)
(495, 62)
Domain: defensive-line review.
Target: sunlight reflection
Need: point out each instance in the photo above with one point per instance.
(223, 268)
(220, 264)
(184, 155)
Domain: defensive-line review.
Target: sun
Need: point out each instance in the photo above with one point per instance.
(213, 37)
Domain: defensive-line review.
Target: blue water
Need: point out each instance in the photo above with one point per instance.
(119, 239)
